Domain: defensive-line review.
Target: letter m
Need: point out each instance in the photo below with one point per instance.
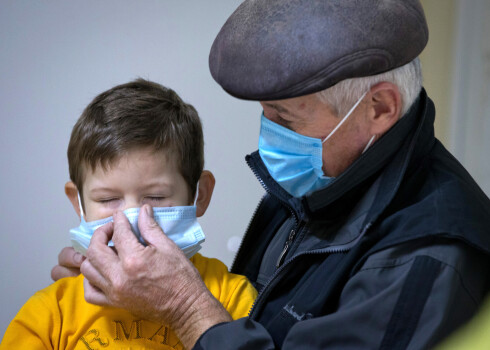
(120, 328)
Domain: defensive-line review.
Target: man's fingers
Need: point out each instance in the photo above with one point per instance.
(98, 252)
(150, 230)
(68, 257)
(98, 268)
(94, 295)
(94, 276)
(124, 239)
(102, 235)
(69, 262)
(59, 272)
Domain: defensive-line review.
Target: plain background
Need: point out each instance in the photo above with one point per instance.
(55, 56)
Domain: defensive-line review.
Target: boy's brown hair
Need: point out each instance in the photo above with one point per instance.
(138, 114)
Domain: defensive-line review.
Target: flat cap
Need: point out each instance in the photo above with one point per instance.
(277, 49)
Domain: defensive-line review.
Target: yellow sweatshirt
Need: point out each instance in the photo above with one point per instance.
(58, 317)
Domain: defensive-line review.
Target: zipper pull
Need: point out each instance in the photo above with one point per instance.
(286, 248)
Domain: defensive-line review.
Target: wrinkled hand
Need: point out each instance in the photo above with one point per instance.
(69, 262)
(156, 282)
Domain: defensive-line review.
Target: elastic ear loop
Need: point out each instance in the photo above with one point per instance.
(80, 205)
(369, 143)
(197, 193)
(345, 118)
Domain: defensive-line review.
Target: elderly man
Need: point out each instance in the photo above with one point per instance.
(370, 235)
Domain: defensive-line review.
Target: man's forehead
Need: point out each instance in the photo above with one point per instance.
(276, 106)
(292, 105)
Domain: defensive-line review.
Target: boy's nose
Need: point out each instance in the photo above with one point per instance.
(131, 203)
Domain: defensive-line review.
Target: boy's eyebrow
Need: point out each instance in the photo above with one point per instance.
(150, 185)
(101, 189)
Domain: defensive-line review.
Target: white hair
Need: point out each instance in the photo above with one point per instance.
(343, 95)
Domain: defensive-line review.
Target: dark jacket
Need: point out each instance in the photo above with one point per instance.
(394, 254)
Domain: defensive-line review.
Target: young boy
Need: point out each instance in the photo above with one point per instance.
(136, 143)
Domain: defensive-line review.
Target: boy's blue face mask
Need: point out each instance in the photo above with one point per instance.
(179, 224)
(293, 160)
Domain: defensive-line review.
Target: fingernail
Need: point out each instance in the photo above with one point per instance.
(149, 210)
(78, 258)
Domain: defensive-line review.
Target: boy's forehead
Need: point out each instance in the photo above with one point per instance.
(137, 172)
(128, 158)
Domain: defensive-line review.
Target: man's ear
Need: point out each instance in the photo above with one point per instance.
(206, 187)
(71, 192)
(385, 107)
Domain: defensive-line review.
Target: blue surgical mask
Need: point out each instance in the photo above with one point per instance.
(295, 161)
(179, 224)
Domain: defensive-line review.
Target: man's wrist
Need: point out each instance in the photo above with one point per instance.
(204, 313)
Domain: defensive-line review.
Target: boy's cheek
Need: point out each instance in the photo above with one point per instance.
(96, 211)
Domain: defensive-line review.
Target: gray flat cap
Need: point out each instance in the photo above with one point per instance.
(277, 49)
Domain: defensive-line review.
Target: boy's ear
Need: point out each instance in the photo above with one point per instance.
(72, 194)
(206, 187)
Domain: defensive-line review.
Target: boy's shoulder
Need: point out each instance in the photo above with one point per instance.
(209, 266)
(60, 297)
(213, 271)
(234, 292)
(68, 287)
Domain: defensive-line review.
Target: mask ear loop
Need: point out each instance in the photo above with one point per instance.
(369, 144)
(80, 205)
(197, 193)
(345, 118)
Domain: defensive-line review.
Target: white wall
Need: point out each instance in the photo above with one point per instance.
(437, 61)
(470, 122)
(456, 68)
(55, 56)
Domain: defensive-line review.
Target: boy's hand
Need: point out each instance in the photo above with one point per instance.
(69, 262)
(156, 282)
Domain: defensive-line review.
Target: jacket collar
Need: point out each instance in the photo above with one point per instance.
(395, 149)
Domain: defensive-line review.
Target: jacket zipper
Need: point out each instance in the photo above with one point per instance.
(328, 250)
(289, 242)
(292, 234)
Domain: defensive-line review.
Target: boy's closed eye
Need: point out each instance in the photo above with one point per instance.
(106, 200)
(147, 199)
(154, 199)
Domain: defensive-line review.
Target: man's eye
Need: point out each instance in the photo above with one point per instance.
(284, 122)
(279, 117)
